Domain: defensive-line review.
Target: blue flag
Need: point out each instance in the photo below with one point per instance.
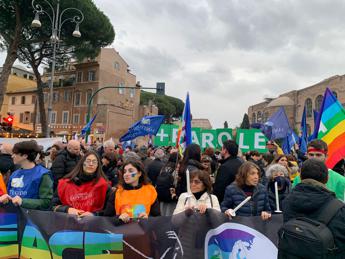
(87, 127)
(290, 140)
(277, 126)
(303, 140)
(185, 137)
(315, 132)
(148, 125)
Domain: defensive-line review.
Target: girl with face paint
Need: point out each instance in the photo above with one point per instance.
(135, 197)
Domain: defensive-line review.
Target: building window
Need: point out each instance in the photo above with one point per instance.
(65, 115)
(265, 118)
(76, 118)
(309, 107)
(33, 99)
(31, 77)
(66, 96)
(318, 102)
(55, 97)
(23, 100)
(132, 93)
(254, 117)
(121, 90)
(27, 117)
(13, 100)
(32, 119)
(91, 75)
(53, 119)
(38, 117)
(79, 77)
(117, 65)
(77, 98)
(88, 96)
(85, 121)
(21, 118)
(335, 94)
(259, 118)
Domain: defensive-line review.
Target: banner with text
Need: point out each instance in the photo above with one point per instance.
(247, 139)
(44, 234)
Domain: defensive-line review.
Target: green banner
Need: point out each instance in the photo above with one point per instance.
(247, 140)
(167, 134)
(252, 139)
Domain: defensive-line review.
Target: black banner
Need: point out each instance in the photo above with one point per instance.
(44, 234)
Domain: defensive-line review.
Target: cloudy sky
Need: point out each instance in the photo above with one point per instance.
(229, 54)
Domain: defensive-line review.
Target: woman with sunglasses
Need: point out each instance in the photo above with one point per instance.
(135, 197)
(85, 190)
(201, 198)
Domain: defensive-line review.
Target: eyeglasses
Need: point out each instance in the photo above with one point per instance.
(196, 181)
(89, 162)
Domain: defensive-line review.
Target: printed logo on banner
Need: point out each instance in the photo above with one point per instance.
(237, 241)
(145, 121)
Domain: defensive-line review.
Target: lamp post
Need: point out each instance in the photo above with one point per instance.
(101, 89)
(57, 20)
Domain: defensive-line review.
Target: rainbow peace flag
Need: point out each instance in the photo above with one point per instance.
(332, 128)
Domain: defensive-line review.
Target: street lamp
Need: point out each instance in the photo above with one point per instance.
(57, 20)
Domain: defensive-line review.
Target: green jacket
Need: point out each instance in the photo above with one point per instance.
(45, 195)
(335, 183)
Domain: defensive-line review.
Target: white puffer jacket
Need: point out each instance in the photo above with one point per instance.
(184, 200)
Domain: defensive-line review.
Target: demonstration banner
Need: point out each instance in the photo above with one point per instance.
(44, 234)
(247, 139)
(45, 142)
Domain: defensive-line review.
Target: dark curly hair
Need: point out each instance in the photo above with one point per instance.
(137, 164)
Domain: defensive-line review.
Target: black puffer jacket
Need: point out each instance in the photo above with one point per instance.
(153, 169)
(308, 199)
(111, 172)
(282, 194)
(225, 176)
(63, 164)
(6, 163)
(182, 183)
(234, 195)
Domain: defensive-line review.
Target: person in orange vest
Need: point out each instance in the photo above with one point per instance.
(135, 197)
(3, 189)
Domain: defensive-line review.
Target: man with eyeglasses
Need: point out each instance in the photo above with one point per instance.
(318, 149)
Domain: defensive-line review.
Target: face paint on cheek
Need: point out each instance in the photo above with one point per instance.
(133, 175)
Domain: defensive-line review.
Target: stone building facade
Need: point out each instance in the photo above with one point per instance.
(74, 85)
(20, 97)
(294, 102)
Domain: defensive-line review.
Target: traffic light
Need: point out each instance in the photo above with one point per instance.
(160, 88)
(8, 122)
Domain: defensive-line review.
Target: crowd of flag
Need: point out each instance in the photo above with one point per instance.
(329, 126)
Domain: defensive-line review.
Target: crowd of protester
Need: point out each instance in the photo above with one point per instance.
(136, 183)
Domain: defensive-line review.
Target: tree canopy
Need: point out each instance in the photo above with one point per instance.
(167, 105)
(245, 122)
(34, 44)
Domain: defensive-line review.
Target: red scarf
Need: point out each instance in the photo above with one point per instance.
(89, 196)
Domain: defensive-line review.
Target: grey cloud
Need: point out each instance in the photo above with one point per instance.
(150, 63)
